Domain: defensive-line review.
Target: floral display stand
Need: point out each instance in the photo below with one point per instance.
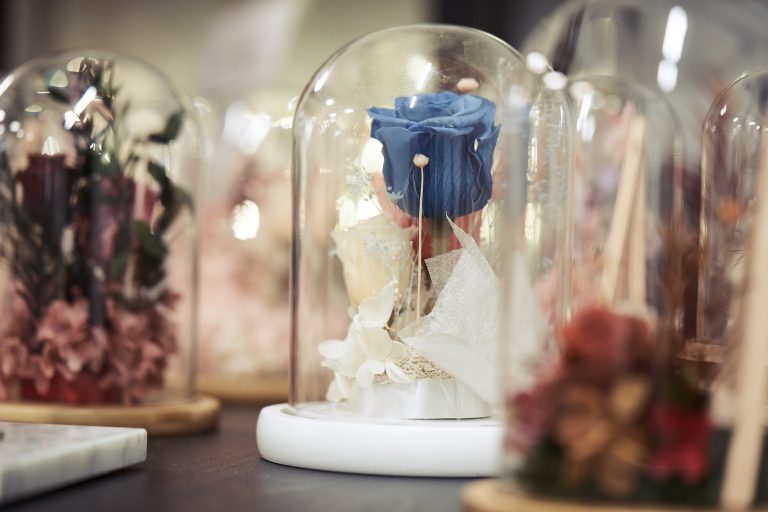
(492, 496)
(261, 390)
(197, 414)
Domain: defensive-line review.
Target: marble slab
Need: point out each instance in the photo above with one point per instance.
(35, 458)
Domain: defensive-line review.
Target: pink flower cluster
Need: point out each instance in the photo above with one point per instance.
(63, 358)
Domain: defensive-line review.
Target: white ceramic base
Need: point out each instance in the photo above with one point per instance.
(38, 457)
(350, 444)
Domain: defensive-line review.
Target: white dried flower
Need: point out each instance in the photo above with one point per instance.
(466, 85)
(420, 160)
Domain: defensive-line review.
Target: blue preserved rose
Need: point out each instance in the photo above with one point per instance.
(457, 134)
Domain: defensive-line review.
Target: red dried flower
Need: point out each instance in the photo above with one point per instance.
(683, 438)
(45, 185)
(603, 344)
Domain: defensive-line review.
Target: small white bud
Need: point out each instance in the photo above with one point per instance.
(466, 85)
(420, 161)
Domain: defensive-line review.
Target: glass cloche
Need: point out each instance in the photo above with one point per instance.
(245, 222)
(610, 406)
(688, 50)
(732, 285)
(399, 169)
(98, 177)
(733, 142)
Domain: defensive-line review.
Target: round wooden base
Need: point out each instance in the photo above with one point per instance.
(493, 496)
(263, 391)
(198, 414)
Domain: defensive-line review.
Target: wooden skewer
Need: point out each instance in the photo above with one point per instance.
(636, 246)
(746, 446)
(420, 161)
(623, 209)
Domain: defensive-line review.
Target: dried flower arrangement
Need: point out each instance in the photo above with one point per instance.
(84, 242)
(613, 421)
(414, 273)
(618, 415)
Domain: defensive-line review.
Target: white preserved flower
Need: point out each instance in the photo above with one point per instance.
(368, 351)
(373, 253)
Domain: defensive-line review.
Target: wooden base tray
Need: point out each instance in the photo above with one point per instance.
(492, 496)
(198, 414)
(264, 391)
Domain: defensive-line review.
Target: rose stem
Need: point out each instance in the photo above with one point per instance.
(420, 161)
(440, 231)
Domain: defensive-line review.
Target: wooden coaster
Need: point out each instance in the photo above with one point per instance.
(493, 496)
(264, 391)
(198, 414)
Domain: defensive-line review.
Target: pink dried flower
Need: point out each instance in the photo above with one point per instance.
(64, 358)
(140, 345)
(528, 419)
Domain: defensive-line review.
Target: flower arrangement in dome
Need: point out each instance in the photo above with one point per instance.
(612, 420)
(85, 245)
(615, 413)
(413, 269)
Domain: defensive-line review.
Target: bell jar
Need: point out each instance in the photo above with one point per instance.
(608, 407)
(688, 50)
(732, 152)
(397, 177)
(731, 305)
(98, 177)
(245, 220)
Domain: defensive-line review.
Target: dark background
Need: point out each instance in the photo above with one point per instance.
(173, 34)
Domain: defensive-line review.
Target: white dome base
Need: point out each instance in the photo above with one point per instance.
(350, 444)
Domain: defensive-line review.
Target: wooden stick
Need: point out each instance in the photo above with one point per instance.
(622, 211)
(746, 446)
(420, 161)
(636, 246)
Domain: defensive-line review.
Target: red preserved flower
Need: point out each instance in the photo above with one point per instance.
(45, 185)
(602, 344)
(683, 438)
(110, 208)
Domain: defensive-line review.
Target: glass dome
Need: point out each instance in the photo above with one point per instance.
(689, 50)
(607, 405)
(731, 307)
(397, 176)
(245, 220)
(98, 175)
(732, 152)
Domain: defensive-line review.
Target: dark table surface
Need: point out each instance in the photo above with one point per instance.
(222, 471)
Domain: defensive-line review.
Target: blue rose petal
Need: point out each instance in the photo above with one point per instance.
(457, 133)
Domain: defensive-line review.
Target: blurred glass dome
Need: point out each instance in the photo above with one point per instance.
(98, 182)
(690, 50)
(245, 220)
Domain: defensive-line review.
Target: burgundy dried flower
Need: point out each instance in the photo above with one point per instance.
(45, 185)
(603, 344)
(111, 207)
(683, 437)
